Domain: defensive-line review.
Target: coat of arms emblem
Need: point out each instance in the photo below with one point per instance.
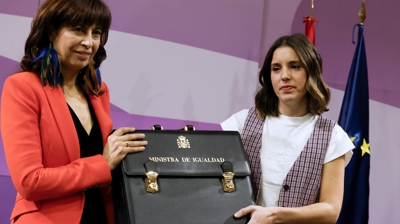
(183, 142)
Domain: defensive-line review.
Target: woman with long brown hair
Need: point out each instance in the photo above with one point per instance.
(297, 157)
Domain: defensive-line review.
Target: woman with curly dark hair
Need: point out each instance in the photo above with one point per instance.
(55, 115)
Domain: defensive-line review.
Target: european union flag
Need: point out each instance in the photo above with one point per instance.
(354, 119)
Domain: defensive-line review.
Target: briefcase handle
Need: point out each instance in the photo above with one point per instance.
(188, 127)
(157, 127)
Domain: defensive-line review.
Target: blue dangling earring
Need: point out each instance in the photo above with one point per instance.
(49, 70)
(98, 76)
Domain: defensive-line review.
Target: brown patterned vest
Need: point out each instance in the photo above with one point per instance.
(302, 183)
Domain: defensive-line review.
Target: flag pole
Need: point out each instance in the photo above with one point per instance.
(362, 13)
(354, 119)
(309, 21)
(311, 8)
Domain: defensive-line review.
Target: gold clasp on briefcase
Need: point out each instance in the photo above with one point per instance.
(227, 172)
(227, 183)
(151, 180)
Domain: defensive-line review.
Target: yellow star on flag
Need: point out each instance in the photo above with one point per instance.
(352, 139)
(365, 148)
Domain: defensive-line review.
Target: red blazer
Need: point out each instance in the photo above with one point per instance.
(43, 155)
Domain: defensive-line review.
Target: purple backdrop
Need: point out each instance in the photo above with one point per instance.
(199, 24)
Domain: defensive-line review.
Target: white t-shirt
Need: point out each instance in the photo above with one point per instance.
(285, 138)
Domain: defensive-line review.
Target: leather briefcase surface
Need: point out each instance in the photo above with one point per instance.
(199, 177)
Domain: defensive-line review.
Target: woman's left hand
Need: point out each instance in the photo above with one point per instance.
(265, 215)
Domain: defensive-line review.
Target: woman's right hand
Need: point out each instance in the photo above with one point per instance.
(119, 144)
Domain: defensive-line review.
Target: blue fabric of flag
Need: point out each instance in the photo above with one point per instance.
(354, 119)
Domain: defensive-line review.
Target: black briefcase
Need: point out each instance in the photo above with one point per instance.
(200, 177)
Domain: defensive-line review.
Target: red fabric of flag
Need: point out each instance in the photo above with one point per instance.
(310, 30)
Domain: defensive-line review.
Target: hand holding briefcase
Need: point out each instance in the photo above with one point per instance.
(200, 177)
